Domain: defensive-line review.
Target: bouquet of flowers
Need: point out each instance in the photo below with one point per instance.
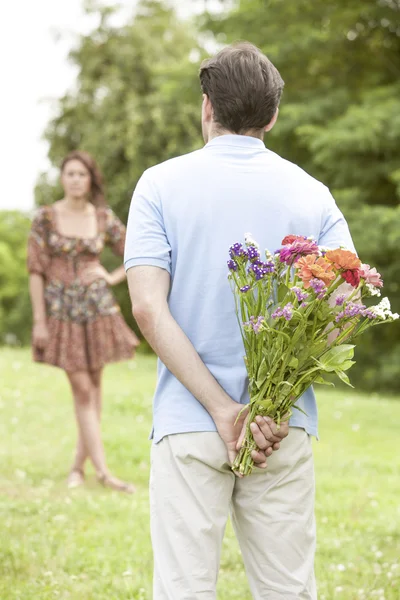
(299, 312)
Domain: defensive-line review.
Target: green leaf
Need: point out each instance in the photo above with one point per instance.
(262, 373)
(323, 381)
(344, 378)
(294, 362)
(282, 292)
(347, 365)
(300, 409)
(334, 358)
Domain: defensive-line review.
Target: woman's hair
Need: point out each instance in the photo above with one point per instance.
(96, 179)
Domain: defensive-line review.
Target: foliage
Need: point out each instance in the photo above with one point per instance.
(137, 102)
(15, 312)
(340, 121)
(94, 544)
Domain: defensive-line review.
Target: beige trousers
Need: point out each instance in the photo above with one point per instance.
(192, 490)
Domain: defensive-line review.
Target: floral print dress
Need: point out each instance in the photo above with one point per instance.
(86, 328)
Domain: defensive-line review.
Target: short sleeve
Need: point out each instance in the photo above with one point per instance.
(335, 231)
(115, 232)
(146, 241)
(38, 257)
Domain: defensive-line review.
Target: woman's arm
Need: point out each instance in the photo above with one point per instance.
(38, 261)
(116, 276)
(40, 334)
(36, 291)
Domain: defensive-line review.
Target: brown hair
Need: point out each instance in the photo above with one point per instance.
(243, 86)
(96, 179)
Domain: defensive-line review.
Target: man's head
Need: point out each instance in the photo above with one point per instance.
(241, 92)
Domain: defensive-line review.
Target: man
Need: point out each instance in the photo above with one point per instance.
(185, 214)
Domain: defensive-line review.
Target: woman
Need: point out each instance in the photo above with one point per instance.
(78, 325)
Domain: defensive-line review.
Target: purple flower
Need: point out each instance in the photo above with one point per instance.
(277, 313)
(319, 287)
(268, 267)
(237, 250)
(260, 269)
(286, 312)
(245, 289)
(369, 313)
(232, 265)
(289, 253)
(352, 310)
(257, 271)
(300, 295)
(253, 253)
(255, 323)
(340, 298)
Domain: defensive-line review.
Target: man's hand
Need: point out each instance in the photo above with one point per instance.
(228, 431)
(266, 435)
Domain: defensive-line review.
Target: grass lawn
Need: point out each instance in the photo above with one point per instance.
(93, 544)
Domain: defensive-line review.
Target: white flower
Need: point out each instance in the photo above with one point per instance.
(372, 290)
(382, 310)
(249, 241)
(385, 303)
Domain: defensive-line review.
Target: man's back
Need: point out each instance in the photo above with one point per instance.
(185, 215)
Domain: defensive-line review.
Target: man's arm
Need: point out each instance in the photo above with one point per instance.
(148, 288)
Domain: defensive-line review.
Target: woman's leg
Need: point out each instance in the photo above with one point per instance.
(96, 377)
(86, 388)
(81, 453)
(89, 441)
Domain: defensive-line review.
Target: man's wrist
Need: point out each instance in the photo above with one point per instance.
(220, 408)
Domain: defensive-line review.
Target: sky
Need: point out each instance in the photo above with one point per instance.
(35, 38)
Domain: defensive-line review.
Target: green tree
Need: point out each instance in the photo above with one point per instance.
(15, 312)
(136, 103)
(340, 121)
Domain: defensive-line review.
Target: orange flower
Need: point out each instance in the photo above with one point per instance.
(313, 266)
(343, 259)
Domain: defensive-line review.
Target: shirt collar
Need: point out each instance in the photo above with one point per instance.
(238, 141)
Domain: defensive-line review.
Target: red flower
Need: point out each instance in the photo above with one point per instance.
(352, 277)
(289, 239)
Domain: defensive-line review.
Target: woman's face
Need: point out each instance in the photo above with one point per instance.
(75, 179)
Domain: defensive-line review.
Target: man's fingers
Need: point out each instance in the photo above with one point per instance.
(271, 430)
(262, 435)
(259, 458)
(282, 431)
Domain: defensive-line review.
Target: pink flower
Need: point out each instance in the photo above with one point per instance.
(290, 252)
(371, 275)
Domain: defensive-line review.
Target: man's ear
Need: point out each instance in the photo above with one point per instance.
(272, 121)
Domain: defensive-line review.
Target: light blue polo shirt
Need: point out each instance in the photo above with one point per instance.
(184, 216)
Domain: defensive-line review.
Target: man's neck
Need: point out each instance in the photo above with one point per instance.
(218, 132)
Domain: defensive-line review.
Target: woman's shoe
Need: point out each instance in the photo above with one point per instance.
(116, 484)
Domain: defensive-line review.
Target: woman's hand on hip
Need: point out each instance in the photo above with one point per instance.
(95, 272)
(40, 335)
